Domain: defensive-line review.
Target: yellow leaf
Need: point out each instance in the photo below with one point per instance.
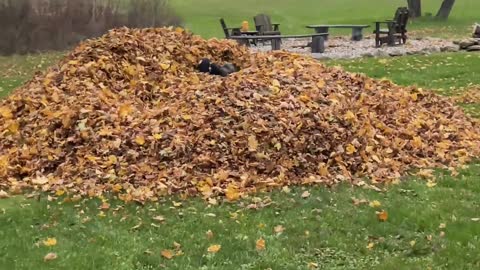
(5, 112)
(60, 192)
(166, 253)
(375, 204)
(125, 110)
(186, 117)
(426, 173)
(431, 183)
(157, 136)
(252, 143)
(50, 242)
(131, 70)
(140, 140)
(214, 248)
(412, 243)
(278, 146)
(312, 265)
(349, 116)
(13, 127)
(382, 215)
(260, 244)
(117, 188)
(275, 83)
(304, 98)
(323, 169)
(50, 257)
(232, 192)
(321, 83)
(417, 142)
(164, 66)
(370, 245)
(351, 149)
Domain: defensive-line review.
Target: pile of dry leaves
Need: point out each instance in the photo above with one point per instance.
(128, 113)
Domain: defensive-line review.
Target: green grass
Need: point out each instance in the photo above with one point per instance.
(438, 71)
(427, 228)
(202, 16)
(15, 70)
(325, 228)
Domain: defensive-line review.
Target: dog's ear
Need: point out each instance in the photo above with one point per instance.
(204, 65)
(217, 70)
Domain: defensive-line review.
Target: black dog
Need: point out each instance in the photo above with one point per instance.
(207, 67)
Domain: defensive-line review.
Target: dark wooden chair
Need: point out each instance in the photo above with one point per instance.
(396, 31)
(265, 27)
(235, 31)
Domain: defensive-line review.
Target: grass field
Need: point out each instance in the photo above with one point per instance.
(428, 227)
(202, 16)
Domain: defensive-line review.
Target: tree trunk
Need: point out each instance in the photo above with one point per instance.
(415, 7)
(476, 31)
(445, 9)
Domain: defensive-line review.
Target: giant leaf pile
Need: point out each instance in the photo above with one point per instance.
(128, 113)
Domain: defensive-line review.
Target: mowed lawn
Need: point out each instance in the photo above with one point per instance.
(202, 17)
(430, 225)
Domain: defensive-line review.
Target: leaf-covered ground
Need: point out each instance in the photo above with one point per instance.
(128, 113)
(428, 226)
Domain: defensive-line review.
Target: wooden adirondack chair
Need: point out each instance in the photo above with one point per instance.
(396, 29)
(229, 31)
(264, 25)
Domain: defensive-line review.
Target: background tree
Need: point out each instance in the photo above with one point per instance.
(445, 9)
(415, 7)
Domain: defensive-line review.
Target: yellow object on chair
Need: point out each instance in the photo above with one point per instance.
(244, 26)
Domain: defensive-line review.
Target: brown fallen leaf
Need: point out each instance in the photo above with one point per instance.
(305, 194)
(104, 206)
(279, 229)
(260, 244)
(209, 234)
(167, 253)
(159, 218)
(382, 215)
(50, 257)
(357, 202)
(4, 195)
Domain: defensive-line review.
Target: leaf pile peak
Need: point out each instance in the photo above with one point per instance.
(128, 113)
